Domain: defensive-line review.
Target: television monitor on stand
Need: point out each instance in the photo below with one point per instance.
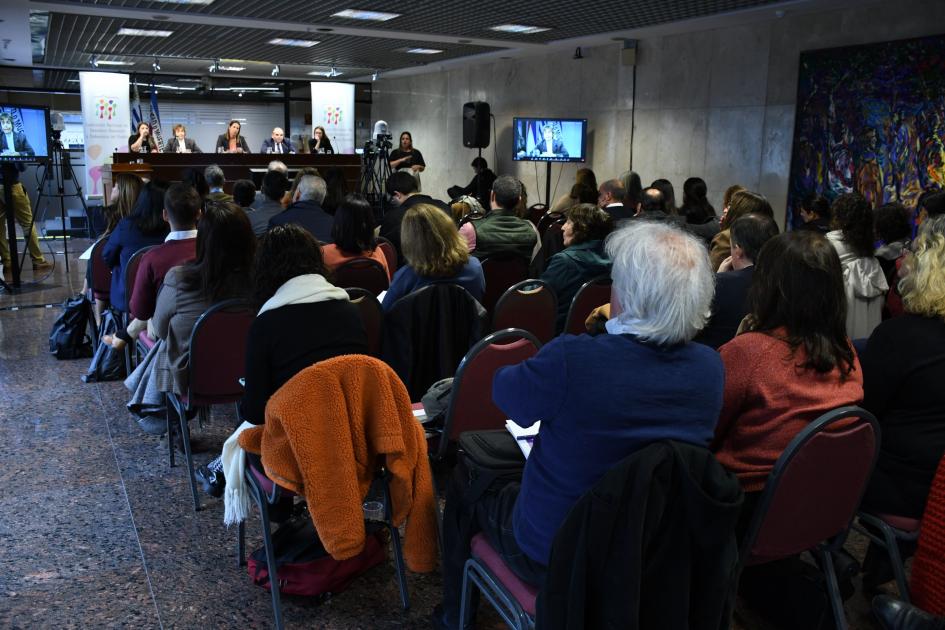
(545, 139)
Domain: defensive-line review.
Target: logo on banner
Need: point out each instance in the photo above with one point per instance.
(107, 107)
(333, 115)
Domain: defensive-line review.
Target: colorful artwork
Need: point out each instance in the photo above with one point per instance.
(870, 119)
(332, 115)
(107, 107)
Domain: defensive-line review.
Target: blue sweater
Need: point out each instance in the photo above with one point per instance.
(121, 246)
(406, 281)
(600, 399)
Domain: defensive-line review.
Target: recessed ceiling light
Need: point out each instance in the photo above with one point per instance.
(301, 43)
(144, 32)
(355, 14)
(107, 62)
(519, 28)
(422, 51)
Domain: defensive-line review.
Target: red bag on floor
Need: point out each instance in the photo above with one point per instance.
(303, 566)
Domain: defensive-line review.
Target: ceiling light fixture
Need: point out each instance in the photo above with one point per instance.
(156, 65)
(374, 76)
(143, 32)
(275, 71)
(356, 14)
(301, 43)
(240, 95)
(521, 29)
(333, 72)
(231, 68)
(423, 51)
(215, 66)
(108, 62)
(93, 61)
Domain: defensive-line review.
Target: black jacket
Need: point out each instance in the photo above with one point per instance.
(390, 226)
(652, 545)
(310, 216)
(729, 307)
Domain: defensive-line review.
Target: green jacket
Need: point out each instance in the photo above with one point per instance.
(501, 232)
(568, 270)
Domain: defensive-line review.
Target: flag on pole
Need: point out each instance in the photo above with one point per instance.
(136, 117)
(155, 120)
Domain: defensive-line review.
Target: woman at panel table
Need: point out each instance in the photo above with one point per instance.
(232, 141)
(142, 141)
(319, 143)
(180, 143)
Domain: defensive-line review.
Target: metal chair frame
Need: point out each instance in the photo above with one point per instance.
(476, 573)
(572, 311)
(889, 541)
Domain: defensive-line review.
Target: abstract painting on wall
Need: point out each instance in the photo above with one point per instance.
(870, 119)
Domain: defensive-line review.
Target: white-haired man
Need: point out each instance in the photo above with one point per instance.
(306, 209)
(599, 399)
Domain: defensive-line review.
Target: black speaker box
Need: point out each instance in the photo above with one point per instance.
(476, 125)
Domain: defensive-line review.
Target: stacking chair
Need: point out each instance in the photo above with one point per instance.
(101, 279)
(812, 494)
(893, 530)
(473, 215)
(594, 293)
(530, 305)
(217, 362)
(501, 272)
(513, 599)
(372, 316)
(549, 218)
(364, 273)
(536, 212)
(131, 272)
(390, 253)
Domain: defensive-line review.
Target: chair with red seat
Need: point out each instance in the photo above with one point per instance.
(812, 494)
(893, 530)
(101, 278)
(594, 293)
(390, 254)
(131, 272)
(364, 273)
(217, 363)
(501, 272)
(536, 212)
(530, 305)
(372, 316)
(512, 598)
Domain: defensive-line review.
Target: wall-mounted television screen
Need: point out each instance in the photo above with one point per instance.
(24, 135)
(549, 139)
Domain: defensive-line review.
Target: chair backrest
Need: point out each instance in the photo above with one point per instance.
(364, 273)
(472, 215)
(536, 212)
(218, 353)
(530, 305)
(131, 271)
(101, 272)
(593, 294)
(390, 253)
(549, 218)
(815, 488)
(501, 272)
(372, 316)
(471, 407)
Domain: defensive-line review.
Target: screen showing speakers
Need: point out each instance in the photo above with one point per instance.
(549, 139)
(24, 133)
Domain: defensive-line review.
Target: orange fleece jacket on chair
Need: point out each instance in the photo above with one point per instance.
(324, 431)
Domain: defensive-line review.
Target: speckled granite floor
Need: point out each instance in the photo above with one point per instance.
(97, 532)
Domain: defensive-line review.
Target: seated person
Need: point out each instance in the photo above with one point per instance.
(220, 271)
(195, 178)
(244, 194)
(142, 141)
(319, 142)
(306, 210)
(743, 202)
(894, 229)
(143, 228)
(277, 143)
(336, 189)
(549, 145)
(502, 231)
(583, 258)
(610, 199)
(405, 193)
(814, 213)
(302, 320)
(232, 141)
(289, 196)
(353, 235)
(180, 143)
(269, 202)
(435, 253)
(466, 206)
(730, 304)
(586, 177)
(481, 184)
(793, 364)
(215, 180)
(181, 211)
(621, 392)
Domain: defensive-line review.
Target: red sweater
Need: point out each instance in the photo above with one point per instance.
(768, 400)
(150, 277)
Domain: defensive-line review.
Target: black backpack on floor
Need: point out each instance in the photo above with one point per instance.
(69, 337)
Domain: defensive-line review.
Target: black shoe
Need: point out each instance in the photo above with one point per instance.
(153, 425)
(893, 614)
(211, 477)
(439, 621)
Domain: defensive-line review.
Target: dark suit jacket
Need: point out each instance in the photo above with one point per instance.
(557, 147)
(729, 307)
(222, 143)
(20, 144)
(619, 212)
(310, 216)
(190, 143)
(270, 144)
(390, 226)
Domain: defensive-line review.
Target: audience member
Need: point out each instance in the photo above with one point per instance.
(215, 180)
(404, 190)
(593, 419)
(195, 178)
(481, 184)
(289, 196)
(244, 194)
(743, 202)
(224, 248)
(732, 282)
(931, 203)
(669, 194)
(695, 206)
(610, 199)
(269, 203)
(353, 235)
(584, 176)
(727, 200)
(306, 209)
(894, 228)
(501, 232)
(435, 253)
(336, 189)
(583, 258)
(143, 228)
(653, 208)
(814, 213)
(864, 282)
(794, 362)
(634, 190)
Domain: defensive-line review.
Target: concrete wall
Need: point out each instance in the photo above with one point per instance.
(717, 103)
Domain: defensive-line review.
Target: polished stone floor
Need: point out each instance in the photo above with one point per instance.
(96, 531)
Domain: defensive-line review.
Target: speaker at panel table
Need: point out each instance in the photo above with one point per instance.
(23, 134)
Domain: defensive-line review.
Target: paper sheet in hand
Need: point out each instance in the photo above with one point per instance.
(525, 438)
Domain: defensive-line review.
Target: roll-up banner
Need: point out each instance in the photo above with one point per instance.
(106, 117)
(333, 109)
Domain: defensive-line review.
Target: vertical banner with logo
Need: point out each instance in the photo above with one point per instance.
(333, 109)
(106, 117)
